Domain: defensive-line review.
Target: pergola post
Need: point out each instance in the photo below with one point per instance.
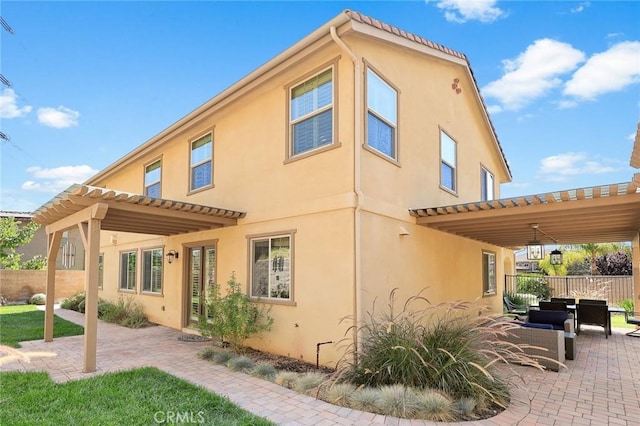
(90, 232)
(635, 255)
(53, 244)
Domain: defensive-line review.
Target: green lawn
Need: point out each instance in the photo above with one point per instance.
(617, 320)
(144, 396)
(25, 322)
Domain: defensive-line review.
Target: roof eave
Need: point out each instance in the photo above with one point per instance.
(228, 94)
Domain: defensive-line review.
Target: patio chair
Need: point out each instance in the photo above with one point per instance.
(512, 308)
(593, 314)
(552, 306)
(634, 319)
(567, 300)
(594, 301)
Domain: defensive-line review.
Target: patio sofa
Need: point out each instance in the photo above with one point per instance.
(549, 337)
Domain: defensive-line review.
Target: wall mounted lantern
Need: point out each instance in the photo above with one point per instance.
(171, 254)
(535, 249)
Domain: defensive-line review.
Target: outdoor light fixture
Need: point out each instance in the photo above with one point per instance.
(535, 249)
(171, 254)
(556, 257)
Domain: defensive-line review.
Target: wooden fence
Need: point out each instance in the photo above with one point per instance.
(613, 288)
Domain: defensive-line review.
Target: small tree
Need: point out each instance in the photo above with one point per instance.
(617, 263)
(233, 317)
(13, 234)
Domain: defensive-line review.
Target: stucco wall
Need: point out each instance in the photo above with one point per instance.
(315, 197)
(19, 286)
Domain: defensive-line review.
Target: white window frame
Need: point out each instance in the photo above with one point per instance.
(451, 163)
(383, 114)
(317, 110)
(275, 266)
(131, 276)
(489, 273)
(148, 183)
(153, 287)
(195, 163)
(487, 183)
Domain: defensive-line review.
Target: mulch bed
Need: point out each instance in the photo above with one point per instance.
(281, 362)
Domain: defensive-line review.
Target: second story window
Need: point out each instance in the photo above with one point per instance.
(311, 113)
(201, 162)
(382, 107)
(448, 162)
(152, 177)
(487, 185)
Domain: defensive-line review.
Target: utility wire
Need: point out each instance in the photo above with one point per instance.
(6, 26)
(4, 80)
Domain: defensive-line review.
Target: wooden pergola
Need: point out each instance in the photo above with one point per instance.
(94, 209)
(608, 213)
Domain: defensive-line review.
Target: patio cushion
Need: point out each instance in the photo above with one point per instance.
(554, 318)
(537, 325)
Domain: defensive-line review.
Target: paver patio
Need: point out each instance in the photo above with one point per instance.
(601, 386)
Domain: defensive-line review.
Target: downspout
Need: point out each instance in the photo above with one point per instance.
(357, 188)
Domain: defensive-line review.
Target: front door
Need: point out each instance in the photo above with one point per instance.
(202, 275)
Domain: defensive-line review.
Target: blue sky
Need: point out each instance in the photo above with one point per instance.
(90, 81)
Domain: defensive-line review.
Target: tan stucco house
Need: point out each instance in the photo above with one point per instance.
(317, 180)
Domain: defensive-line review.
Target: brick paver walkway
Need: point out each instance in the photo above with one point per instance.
(601, 386)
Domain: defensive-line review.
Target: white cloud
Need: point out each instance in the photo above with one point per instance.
(57, 179)
(581, 7)
(59, 118)
(559, 168)
(605, 72)
(461, 11)
(533, 73)
(494, 109)
(9, 105)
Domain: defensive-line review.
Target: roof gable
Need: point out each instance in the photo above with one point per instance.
(350, 18)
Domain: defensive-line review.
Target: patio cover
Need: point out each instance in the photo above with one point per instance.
(609, 213)
(92, 210)
(128, 212)
(600, 214)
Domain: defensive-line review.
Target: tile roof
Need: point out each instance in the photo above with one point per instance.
(359, 17)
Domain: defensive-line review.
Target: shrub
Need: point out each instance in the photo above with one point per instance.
(307, 383)
(517, 299)
(626, 304)
(38, 299)
(222, 357)
(126, 312)
(435, 406)
(398, 401)
(339, 394)
(287, 379)
(465, 407)
(73, 302)
(206, 354)
(445, 347)
(233, 317)
(240, 363)
(533, 284)
(365, 399)
(264, 371)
